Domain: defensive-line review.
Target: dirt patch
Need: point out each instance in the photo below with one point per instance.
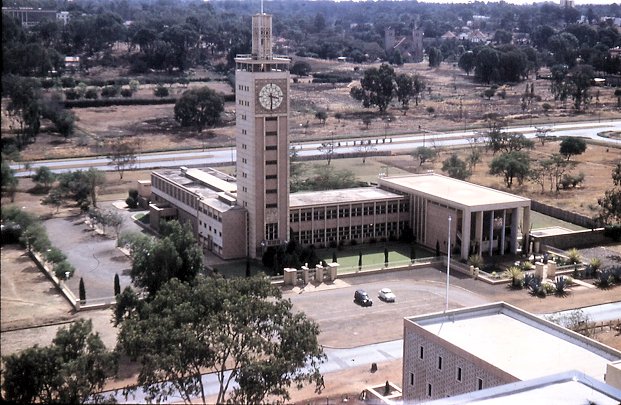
(28, 297)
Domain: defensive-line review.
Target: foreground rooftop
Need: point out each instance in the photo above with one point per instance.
(517, 342)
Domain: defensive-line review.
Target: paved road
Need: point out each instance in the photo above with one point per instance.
(391, 143)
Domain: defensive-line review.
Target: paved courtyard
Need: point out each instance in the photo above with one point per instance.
(94, 256)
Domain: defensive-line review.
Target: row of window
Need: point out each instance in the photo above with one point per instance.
(309, 236)
(244, 103)
(186, 197)
(459, 377)
(459, 374)
(331, 212)
(211, 213)
(243, 88)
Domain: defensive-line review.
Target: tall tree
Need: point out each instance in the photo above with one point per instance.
(404, 88)
(376, 87)
(511, 165)
(9, 180)
(456, 168)
(73, 370)
(241, 328)
(467, 62)
(610, 203)
(44, 177)
(176, 255)
(572, 146)
(122, 155)
(199, 107)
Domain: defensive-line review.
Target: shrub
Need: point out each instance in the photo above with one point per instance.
(126, 93)
(574, 256)
(430, 110)
(546, 107)
(61, 269)
(613, 231)
(516, 275)
(548, 288)
(526, 266)
(353, 242)
(559, 284)
(131, 202)
(110, 91)
(55, 255)
(91, 93)
(604, 278)
(595, 263)
(476, 261)
(67, 81)
(161, 91)
(72, 94)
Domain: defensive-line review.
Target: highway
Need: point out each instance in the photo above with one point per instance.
(397, 143)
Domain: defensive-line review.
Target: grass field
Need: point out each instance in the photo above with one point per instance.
(347, 258)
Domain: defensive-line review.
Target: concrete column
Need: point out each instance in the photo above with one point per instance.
(479, 230)
(319, 273)
(465, 234)
(305, 277)
(540, 270)
(551, 269)
(290, 276)
(332, 271)
(526, 225)
(491, 232)
(502, 234)
(514, 230)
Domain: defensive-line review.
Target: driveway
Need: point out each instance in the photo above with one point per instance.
(95, 257)
(345, 324)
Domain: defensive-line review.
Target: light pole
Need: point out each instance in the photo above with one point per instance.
(448, 263)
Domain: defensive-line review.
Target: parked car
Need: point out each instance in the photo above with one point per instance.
(362, 298)
(386, 294)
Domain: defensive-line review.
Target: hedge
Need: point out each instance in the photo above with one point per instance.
(107, 102)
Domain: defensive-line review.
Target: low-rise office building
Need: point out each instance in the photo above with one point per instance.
(471, 349)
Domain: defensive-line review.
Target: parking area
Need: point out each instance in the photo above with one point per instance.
(346, 324)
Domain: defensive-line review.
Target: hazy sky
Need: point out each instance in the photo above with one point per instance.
(577, 2)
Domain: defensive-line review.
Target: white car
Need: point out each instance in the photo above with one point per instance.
(387, 295)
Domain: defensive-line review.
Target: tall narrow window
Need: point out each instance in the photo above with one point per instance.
(421, 353)
(459, 374)
(428, 389)
(439, 362)
(479, 383)
(412, 379)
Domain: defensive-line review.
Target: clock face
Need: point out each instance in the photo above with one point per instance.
(271, 96)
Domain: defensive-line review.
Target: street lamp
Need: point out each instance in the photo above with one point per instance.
(448, 263)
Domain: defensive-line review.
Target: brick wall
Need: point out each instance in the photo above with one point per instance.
(425, 373)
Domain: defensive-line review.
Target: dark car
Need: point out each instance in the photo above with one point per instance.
(362, 298)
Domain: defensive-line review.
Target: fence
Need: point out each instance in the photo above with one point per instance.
(562, 214)
(595, 327)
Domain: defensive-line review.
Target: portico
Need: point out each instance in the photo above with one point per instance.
(484, 221)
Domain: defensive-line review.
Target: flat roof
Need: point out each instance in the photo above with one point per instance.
(517, 342)
(453, 191)
(566, 388)
(343, 196)
(215, 192)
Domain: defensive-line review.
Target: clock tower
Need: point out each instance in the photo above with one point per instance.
(262, 139)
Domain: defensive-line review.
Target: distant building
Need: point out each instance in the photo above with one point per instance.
(29, 17)
(473, 349)
(567, 3)
(411, 47)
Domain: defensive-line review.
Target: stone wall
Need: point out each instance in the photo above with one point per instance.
(577, 239)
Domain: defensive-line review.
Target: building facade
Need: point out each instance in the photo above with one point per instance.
(262, 139)
(242, 216)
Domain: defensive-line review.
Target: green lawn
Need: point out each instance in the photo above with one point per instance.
(540, 221)
(372, 258)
